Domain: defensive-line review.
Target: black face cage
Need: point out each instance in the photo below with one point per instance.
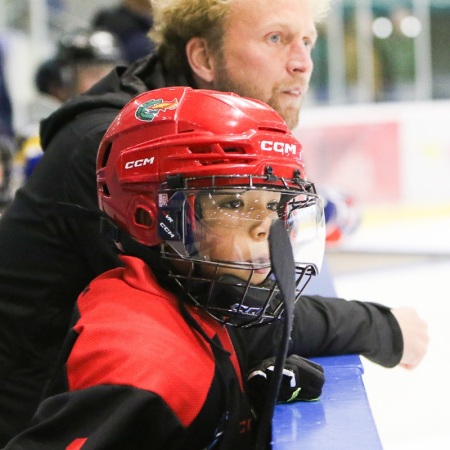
(233, 301)
(227, 298)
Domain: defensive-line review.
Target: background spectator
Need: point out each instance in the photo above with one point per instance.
(83, 57)
(130, 22)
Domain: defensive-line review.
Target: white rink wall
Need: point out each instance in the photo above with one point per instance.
(383, 154)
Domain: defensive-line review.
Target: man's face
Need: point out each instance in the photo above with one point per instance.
(235, 227)
(267, 53)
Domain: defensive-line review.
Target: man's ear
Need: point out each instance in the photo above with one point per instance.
(201, 61)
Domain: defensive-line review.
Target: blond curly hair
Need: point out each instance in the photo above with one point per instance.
(175, 22)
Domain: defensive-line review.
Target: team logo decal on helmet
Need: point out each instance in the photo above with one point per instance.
(149, 110)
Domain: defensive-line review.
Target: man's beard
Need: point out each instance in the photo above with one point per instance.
(289, 114)
(224, 83)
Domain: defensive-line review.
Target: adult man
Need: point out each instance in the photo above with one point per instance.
(47, 258)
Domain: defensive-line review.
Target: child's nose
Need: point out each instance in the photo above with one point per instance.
(260, 229)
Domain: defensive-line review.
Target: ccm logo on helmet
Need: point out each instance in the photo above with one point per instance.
(139, 163)
(279, 147)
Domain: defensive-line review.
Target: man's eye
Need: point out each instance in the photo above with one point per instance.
(275, 38)
(308, 43)
(273, 206)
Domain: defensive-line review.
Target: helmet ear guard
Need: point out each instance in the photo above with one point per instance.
(142, 220)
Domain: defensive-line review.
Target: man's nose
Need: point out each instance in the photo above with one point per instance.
(300, 57)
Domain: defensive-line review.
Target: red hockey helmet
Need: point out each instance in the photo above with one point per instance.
(202, 173)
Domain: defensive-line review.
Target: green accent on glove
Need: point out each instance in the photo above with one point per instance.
(294, 395)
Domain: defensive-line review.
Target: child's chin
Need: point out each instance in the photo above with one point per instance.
(260, 276)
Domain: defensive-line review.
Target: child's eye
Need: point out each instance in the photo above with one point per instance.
(232, 204)
(273, 206)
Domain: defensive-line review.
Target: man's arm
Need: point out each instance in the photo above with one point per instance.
(333, 326)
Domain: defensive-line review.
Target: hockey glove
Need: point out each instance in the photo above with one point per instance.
(302, 381)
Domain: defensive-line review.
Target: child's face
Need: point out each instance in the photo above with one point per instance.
(235, 227)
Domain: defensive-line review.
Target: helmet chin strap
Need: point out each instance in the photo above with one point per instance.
(283, 267)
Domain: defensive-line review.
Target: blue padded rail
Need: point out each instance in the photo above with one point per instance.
(340, 420)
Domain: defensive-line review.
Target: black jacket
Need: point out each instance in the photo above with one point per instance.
(46, 259)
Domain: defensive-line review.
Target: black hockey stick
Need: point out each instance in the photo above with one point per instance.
(283, 267)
